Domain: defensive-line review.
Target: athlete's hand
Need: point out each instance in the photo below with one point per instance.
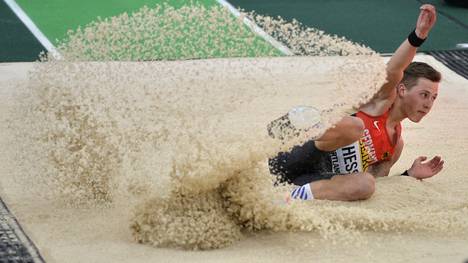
(422, 170)
(426, 20)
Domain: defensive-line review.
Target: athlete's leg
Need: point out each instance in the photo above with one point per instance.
(345, 132)
(352, 187)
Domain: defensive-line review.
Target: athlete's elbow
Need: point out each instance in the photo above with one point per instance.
(394, 75)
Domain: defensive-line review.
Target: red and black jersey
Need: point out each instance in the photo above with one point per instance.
(375, 145)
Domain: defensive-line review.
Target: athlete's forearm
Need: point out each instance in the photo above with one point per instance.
(400, 61)
(407, 50)
(395, 68)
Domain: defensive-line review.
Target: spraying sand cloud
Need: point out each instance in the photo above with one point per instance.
(179, 133)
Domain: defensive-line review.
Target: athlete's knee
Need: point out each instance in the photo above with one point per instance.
(366, 186)
(362, 188)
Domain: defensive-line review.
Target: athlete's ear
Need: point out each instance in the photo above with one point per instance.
(401, 89)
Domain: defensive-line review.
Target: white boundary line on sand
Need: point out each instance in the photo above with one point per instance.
(257, 29)
(32, 27)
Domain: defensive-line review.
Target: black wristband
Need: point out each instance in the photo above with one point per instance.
(405, 173)
(414, 40)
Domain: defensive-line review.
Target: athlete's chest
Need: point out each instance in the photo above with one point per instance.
(380, 138)
(392, 134)
(376, 144)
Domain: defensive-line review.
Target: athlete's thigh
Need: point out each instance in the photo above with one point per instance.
(355, 186)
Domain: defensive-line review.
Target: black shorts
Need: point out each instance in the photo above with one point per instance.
(302, 165)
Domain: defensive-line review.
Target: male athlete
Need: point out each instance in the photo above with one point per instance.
(342, 163)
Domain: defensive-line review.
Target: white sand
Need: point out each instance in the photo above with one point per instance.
(406, 220)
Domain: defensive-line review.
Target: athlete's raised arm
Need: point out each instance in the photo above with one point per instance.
(402, 57)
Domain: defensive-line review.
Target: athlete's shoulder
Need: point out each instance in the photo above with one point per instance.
(376, 107)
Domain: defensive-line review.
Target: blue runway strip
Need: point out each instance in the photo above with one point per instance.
(456, 60)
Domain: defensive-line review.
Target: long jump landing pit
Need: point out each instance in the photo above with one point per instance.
(216, 105)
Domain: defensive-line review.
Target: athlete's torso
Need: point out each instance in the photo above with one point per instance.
(374, 146)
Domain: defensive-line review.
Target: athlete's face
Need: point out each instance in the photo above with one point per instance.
(418, 100)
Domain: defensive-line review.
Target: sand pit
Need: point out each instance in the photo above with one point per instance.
(405, 220)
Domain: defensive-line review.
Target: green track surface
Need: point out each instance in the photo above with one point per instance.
(382, 25)
(56, 17)
(457, 13)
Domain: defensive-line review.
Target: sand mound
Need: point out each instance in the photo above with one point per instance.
(100, 132)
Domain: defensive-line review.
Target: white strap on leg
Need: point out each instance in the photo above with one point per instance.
(304, 193)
